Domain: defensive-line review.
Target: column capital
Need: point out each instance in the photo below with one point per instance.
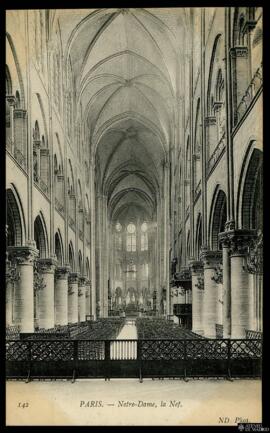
(11, 99)
(24, 255)
(19, 113)
(210, 258)
(81, 281)
(196, 267)
(230, 225)
(73, 277)
(210, 120)
(62, 272)
(239, 51)
(238, 241)
(47, 266)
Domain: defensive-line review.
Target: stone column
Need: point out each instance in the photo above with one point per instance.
(81, 300)
(61, 295)
(46, 269)
(9, 290)
(87, 297)
(226, 274)
(197, 296)
(210, 260)
(24, 297)
(241, 293)
(11, 101)
(73, 297)
(211, 133)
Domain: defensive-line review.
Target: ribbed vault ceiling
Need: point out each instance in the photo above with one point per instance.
(124, 65)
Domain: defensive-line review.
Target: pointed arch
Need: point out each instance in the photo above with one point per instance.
(15, 220)
(40, 236)
(250, 193)
(218, 217)
(58, 247)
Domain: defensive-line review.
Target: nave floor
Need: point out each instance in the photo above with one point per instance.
(128, 332)
(197, 402)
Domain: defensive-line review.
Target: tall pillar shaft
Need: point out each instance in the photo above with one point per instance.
(226, 319)
(73, 298)
(210, 297)
(61, 295)
(9, 295)
(81, 300)
(197, 296)
(24, 297)
(241, 296)
(87, 298)
(46, 294)
(241, 292)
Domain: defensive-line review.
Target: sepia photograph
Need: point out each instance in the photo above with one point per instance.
(134, 217)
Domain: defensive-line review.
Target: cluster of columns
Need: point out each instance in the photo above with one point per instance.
(224, 299)
(63, 296)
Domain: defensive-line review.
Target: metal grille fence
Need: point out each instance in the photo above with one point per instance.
(134, 358)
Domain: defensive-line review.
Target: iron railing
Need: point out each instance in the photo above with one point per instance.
(133, 358)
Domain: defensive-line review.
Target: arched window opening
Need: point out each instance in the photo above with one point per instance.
(58, 249)
(131, 237)
(40, 237)
(80, 263)
(144, 237)
(219, 219)
(13, 221)
(71, 257)
(252, 200)
(18, 100)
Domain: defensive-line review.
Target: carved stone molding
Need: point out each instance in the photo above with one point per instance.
(210, 120)
(23, 255)
(47, 266)
(19, 113)
(230, 225)
(196, 267)
(11, 99)
(210, 258)
(239, 52)
(73, 278)
(62, 272)
(217, 105)
(238, 241)
(81, 281)
(183, 275)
